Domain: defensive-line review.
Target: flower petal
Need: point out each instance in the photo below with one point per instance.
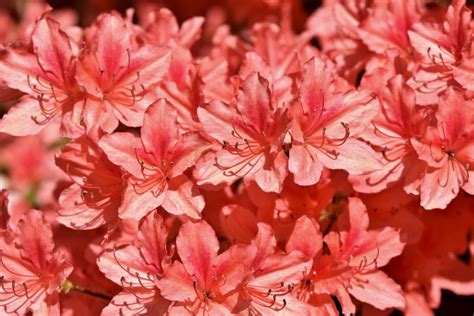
(253, 103)
(34, 237)
(19, 122)
(126, 267)
(176, 284)
(354, 156)
(306, 237)
(197, 247)
(152, 237)
(53, 50)
(304, 165)
(183, 197)
(378, 290)
(136, 205)
(160, 129)
(120, 149)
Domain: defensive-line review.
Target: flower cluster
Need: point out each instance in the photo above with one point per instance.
(205, 168)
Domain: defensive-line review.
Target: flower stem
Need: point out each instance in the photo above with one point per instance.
(68, 286)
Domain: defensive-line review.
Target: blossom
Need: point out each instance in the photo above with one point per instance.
(388, 25)
(250, 133)
(276, 66)
(203, 281)
(96, 193)
(337, 26)
(155, 164)
(268, 290)
(136, 268)
(31, 271)
(447, 149)
(440, 47)
(162, 29)
(352, 263)
(118, 74)
(400, 120)
(45, 72)
(328, 117)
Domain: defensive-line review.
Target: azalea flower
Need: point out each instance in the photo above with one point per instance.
(136, 268)
(440, 47)
(31, 271)
(327, 118)
(388, 25)
(352, 261)
(337, 26)
(118, 74)
(268, 290)
(250, 133)
(96, 193)
(447, 149)
(400, 120)
(203, 281)
(45, 72)
(277, 66)
(162, 29)
(155, 164)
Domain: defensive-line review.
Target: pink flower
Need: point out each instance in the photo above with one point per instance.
(44, 71)
(351, 264)
(250, 132)
(448, 149)
(96, 194)
(388, 24)
(136, 268)
(400, 119)
(276, 54)
(203, 281)
(269, 289)
(337, 26)
(327, 119)
(30, 164)
(31, 272)
(118, 74)
(156, 163)
(439, 48)
(183, 89)
(162, 29)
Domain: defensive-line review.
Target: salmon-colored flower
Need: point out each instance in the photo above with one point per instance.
(203, 281)
(440, 48)
(268, 290)
(117, 73)
(31, 272)
(136, 268)
(327, 119)
(276, 53)
(96, 194)
(400, 119)
(45, 72)
(448, 149)
(337, 26)
(351, 263)
(155, 164)
(388, 24)
(250, 132)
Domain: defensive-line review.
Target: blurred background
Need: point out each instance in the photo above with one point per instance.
(238, 13)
